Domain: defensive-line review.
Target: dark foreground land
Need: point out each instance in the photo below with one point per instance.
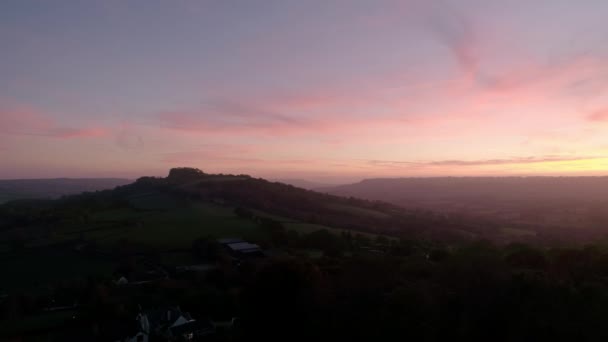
(231, 258)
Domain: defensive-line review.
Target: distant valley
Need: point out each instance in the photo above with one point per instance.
(557, 202)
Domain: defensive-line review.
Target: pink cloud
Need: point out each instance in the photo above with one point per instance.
(556, 75)
(211, 152)
(246, 120)
(69, 133)
(456, 32)
(483, 162)
(23, 120)
(599, 116)
(127, 137)
(222, 116)
(516, 83)
(552, 89)
(243, 125)
(203, 157)
(326, 127)
(518, 160)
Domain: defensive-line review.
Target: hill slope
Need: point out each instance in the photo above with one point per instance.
(189, 204)
(304, 184)
(285, 201)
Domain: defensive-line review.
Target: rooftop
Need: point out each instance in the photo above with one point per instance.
(244, 246)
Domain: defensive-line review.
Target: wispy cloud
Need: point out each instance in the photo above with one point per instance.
(252, 119)
(127, 138)
(599, 115)
(519, 160)
(482, 162)
(23, 120)
(69, 133)
(224, 115)
(523, 77)
(209, 152)
(456, 31)
(216, 159)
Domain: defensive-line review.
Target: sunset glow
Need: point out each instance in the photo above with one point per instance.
(323, 90)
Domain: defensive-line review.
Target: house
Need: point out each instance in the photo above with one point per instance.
(228, 241)
(240, 249)
(245, 249)
(121, 281)
(141, 277)
(201, 268)
(171, 324)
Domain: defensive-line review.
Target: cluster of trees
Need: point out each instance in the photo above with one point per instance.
(479, 292)
(475, 292)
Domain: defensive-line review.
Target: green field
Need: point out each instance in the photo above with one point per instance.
(162, 222)
(178, 228)
(305, 228)
(352, 210)
(172, 228)
(42, 261)
(157, 221)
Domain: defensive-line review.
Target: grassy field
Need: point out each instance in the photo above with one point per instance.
(153, 220)
(43, 262)
(163, 222)
(178, 228)
(305, 228)
(347, 209)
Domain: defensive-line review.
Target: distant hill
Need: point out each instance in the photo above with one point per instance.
(516, 188)
(567, 202)
(54, 188)
(274, 198)
(305, 184)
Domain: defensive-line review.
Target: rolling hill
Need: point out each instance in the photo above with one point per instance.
(188, 203)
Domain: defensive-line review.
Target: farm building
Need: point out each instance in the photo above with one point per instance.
(241, 249)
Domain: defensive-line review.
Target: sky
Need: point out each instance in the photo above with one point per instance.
(331, 91)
